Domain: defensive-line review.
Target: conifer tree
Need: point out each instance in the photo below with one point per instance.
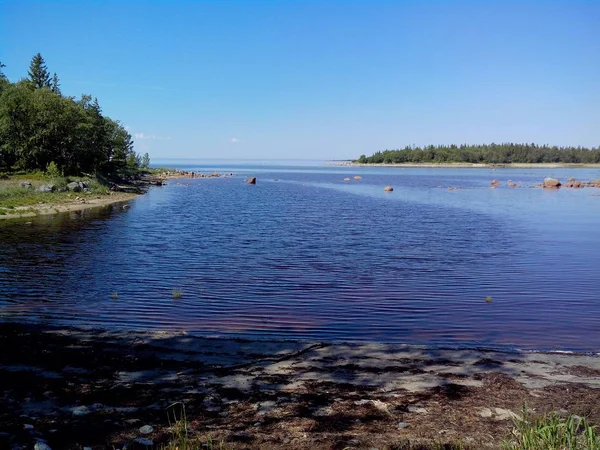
(38, 72)
(55, 85)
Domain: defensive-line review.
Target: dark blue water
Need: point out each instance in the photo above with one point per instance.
(313, 257)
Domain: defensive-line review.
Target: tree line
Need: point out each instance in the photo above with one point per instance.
(39, 127)
(506, 153)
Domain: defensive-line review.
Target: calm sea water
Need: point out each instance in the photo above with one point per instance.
(313, 257)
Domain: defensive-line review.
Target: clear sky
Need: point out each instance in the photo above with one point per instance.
(320, 79)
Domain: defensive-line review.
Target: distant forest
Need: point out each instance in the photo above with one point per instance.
(486, 154)
(41, 128)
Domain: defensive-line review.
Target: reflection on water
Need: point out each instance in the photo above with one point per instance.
(314, 257)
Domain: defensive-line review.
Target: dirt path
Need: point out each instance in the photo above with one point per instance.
(77, 388)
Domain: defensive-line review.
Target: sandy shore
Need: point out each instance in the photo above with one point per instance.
(478, 166)
(77, 388)
(77, 202)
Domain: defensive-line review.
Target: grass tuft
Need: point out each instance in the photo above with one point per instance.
(177, 294)
(551, 432)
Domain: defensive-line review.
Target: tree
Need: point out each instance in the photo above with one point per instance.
(38, 72)
(55, 85)
(2, 66)
(145, 161)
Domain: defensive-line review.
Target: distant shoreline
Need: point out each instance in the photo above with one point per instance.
(478, 166)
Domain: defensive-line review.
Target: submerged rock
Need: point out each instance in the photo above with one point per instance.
(357, 177)
(388, 189)
(495, 183)
(252, 180)
(346, 179)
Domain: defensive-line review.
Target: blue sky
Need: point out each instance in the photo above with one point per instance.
(320, 79)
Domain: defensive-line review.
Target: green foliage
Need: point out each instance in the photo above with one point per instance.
(53, 171)
(55, 85)
(39, 126)
(177, 294)
(486, 154)
(551, 432)
(145, 161)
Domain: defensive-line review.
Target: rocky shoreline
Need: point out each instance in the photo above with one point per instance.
(75, 388)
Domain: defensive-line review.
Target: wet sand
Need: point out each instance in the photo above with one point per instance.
(94, 388)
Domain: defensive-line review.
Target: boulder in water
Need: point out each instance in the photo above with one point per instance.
(551, 183)
(388, 189)
(357, 177)
(252, 180)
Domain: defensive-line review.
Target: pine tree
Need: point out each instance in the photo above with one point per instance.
(146, 161)
(55, 85)
(38, 73)
(1, 67)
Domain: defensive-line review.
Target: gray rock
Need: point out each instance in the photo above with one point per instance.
(74, 186)
(402, 425)
(146, 429)
(85, 184)
(39, 445)
(144, 441)
(87, 448)
(25, 184)
(46, 188)
(27, 426)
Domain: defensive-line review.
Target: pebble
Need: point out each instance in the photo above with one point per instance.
(28, 426)
(416, 409)
(402, 425)
(87, 448)
(81, 411)
(146, 429)
(485, 412)
(41, 446)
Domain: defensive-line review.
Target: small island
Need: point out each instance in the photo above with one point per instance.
(506, 154)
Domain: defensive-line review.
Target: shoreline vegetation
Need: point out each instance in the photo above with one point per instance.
(77, 388)
(506, 154)
(34, 194)
(463, 165)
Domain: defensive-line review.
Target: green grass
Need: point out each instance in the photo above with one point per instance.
(13, 196)
(552, 432)
(177, 294)
(180, 438)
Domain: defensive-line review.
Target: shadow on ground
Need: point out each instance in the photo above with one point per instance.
(74, 388)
